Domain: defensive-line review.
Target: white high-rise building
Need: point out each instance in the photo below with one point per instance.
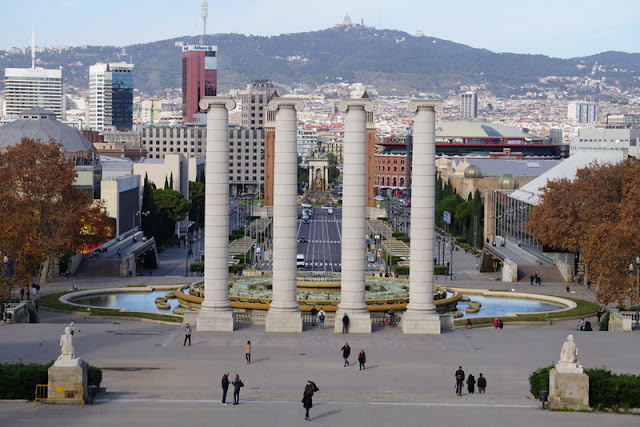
(110, 96)
(26, 88)
(582, 111)
(469, 105)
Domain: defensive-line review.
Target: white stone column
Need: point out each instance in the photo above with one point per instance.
(354, 199)
(284, 314)
(216, 313)
(420, 316)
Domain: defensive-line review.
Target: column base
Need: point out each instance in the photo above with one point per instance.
(212, 320)
(68, 372)
(283, 321)
(359, 321)
(420, 322)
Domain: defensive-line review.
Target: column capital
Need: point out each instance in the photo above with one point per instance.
(217, 101)
(277, 103)
(364, 103)
(417, 104)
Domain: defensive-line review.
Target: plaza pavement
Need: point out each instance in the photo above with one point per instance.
(152, 379)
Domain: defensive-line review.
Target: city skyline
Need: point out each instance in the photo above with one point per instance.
(558, 29)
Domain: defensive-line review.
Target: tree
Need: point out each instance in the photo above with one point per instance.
(597, 216)
(171, 206)
(42, 213)
(196, 197)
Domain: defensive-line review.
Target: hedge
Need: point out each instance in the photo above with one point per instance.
(606, 390)
(440, 270)
(18, 381)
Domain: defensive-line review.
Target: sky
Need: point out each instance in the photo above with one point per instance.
(557, 28)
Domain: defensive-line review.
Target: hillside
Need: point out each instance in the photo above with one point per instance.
(391, 61)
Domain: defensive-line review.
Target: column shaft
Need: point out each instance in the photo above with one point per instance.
(352, 299)
(421, 316)
(284, 314)
(216, 313)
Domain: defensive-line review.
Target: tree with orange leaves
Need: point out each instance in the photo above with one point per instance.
(598, 216)
(40, 210)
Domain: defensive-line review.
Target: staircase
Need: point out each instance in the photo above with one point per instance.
(548, 273)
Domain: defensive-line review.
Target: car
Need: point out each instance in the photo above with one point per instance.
(327, 206)
(303, 239)
(300, 261)
(379, 198)
(330, 211)
(306, 205)
(306, 220)
(406, 203)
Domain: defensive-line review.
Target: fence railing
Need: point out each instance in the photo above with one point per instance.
(52, 392)
(329, 320)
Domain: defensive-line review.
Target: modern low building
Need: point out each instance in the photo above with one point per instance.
(41, 125)
(626, 139)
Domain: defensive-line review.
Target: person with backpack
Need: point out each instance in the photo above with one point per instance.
(307, 398)
(237, 383)
(321, 315)
(482, 384)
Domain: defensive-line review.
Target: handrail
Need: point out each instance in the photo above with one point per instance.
(538, 254)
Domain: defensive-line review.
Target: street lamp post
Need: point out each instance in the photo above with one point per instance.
(637, 268)
(451, 245)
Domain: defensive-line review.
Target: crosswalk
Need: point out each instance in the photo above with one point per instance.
(324, 241)
(323, 264)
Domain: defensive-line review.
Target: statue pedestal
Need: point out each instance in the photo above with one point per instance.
(415, 322)
(283, 321)
(568, 390)
(72, 371)
(359, 322)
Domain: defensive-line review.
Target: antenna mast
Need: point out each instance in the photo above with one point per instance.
(33, 49)
(204, 12)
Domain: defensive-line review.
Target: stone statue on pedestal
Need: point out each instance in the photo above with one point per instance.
(66, 345)
(569, 358)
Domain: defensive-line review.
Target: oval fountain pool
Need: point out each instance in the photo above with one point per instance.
(129, 300)
(496, 307)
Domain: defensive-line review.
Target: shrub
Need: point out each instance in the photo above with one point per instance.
(539, 380)
(400, 270)
(604, 322)
(397, 234)
(18, 381)
(33, 315)
(236, 269)
(197, 267)
(440, 270)
(94, 376)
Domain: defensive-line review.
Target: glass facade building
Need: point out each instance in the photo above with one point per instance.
(122, 96)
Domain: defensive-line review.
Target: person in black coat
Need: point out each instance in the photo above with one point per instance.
(225, 387)
(459, 380)
(471, 384)
(362, 359)
(307, 397)
(346, 351)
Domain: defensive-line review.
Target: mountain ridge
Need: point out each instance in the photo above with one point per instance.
(392, 61)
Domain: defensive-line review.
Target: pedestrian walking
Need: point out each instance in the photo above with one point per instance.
(36, 302)
(392, 317)
(237, 383)
(247, 351)
(362, 359)
(321, 315)
(345, 323)
(471, 384)
(482, 384)
(346, 351)
(187, 334)
(459, 380)
(496, 323)
(307, 398)
(314, 313)
(28, 292)
(500, 324)
(22, 294)
(538, 280)
(225, 387)
(531, 279)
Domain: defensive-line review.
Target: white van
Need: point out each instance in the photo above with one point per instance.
(300, 261)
